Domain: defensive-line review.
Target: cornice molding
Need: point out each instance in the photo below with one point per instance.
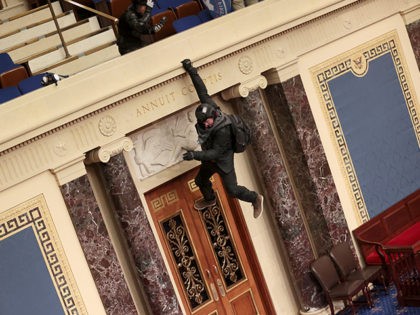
(70, 171)
(269, 57)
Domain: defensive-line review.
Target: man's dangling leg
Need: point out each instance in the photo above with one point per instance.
(202, 180)
(242, 193)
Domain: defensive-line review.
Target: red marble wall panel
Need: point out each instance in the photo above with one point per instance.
(293, 95)
(149, 263)
(97, 247)
(281, 196)
(413, 30)
(298, 169)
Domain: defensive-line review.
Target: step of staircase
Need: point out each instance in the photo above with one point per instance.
(34, 47)
(12, 10)
(39, 30)
(78, 48)
(90, 59)
(18, 22)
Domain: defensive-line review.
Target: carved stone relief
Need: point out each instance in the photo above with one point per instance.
(162, 144)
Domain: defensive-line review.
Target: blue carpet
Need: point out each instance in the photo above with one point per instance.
(385, 304)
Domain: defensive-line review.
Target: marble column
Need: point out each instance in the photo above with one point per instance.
(294, 120)
(283, 200)
(97, 247)
(141, 241)
(413, 30)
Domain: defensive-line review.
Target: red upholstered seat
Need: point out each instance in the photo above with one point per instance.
(374, 259)
(408, 237)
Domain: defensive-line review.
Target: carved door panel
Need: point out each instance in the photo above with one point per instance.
(207, 258)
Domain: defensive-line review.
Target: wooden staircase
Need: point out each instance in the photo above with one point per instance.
(31, 39)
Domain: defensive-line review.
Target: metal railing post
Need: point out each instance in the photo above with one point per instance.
(58, 29)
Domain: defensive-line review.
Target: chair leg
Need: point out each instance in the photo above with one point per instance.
(384, 282)
(353, 308)
(331, 304)
(368, 296)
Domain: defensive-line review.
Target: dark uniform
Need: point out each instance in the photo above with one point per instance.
(217, 150)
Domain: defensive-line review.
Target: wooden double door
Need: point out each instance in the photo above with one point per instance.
(210, 253)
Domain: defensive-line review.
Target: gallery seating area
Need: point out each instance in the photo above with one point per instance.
(31, 45)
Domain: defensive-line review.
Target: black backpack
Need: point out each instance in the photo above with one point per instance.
(241, 133)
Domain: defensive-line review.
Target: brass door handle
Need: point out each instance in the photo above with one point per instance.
(221, 288)
(212, 287)
(214, 291)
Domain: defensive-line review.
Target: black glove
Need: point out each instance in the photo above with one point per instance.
(158, 27)
(188, 156)
(186, 63)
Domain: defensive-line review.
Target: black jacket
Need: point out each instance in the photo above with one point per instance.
(131, 25)
(216, 142)
(217, 146)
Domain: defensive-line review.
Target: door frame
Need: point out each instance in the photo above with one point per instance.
(244, 238)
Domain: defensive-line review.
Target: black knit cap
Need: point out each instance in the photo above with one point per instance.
(204, 111)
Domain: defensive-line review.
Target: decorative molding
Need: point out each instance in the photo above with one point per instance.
(34, 214)
(104, 153)
(243, 89)
(282, 73)
(245, 64)
(357, 61)
(107, 126)
(31, 149)
(70, 171)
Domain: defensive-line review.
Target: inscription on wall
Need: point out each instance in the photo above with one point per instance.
(174, 96)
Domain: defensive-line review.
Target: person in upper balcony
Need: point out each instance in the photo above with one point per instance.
(216, 140)
(134, 23)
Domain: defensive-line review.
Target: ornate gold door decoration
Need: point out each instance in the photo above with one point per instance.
(178, 242)
(223, 246)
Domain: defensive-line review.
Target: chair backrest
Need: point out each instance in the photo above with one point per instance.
(324, 270)
(343, 257)
(6, 62)
(187, 8)
(185, 23)
(31, 84)
(9, 93)
(117, 7)
(13, 76)
(167, 29)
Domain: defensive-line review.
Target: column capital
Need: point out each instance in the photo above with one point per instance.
(243, 89)
(104, 153)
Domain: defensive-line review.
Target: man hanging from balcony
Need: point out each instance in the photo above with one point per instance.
(134, 23)
(216, 140)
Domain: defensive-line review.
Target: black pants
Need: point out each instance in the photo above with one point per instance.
(230, 183)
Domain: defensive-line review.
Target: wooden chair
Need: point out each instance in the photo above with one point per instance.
(187, 8)
(117, 7)
(349, 269)
(167, 29)
(325, 272)
(13, 76)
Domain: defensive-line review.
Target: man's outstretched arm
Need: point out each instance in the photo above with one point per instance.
(199, 85)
